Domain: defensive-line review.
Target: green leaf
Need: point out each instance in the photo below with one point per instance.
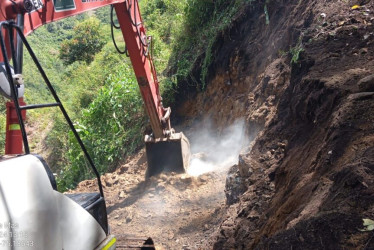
(368, 224)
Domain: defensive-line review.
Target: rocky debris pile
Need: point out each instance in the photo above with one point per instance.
(177, 210)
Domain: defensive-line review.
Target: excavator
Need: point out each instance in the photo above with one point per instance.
(33, 214)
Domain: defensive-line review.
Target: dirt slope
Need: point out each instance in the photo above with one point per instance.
(309, 175)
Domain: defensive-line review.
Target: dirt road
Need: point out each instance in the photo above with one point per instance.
(177, 211)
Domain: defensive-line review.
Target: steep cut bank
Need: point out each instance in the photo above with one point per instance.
(304, 82)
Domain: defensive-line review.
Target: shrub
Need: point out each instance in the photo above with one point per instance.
(85, 43)
(111, 128)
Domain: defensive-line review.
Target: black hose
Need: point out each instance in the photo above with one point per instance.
(145, 44)
(13, 88)
(112, 26)
(136, 25)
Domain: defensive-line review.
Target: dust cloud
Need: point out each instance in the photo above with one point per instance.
(214, 151)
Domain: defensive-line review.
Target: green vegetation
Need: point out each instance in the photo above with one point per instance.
(97, 85)
(111, 128)
(204, 20)
(85, 43)
(295, 52)
(368, 225)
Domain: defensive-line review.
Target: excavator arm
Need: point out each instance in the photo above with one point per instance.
(166, 150)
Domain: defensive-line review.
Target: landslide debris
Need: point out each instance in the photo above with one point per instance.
(177, 211)
(304, 84)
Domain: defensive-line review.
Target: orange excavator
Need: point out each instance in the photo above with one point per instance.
(32, 212)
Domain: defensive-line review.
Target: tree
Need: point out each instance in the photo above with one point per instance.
(85, 43)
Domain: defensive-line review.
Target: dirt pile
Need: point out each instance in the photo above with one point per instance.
(178, 211)
(304, 83)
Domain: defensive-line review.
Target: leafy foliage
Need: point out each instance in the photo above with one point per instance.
(203, 21)
(368, 225)
(111, 128)
(85, 43)
(163, 20)
(295, 51)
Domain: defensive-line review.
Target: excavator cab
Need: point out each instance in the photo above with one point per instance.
(34, 212)
(34, 215)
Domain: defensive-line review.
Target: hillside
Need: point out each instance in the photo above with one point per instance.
(301, 77)
(277, 99)
(304, 84)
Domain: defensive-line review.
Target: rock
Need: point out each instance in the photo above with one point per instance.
(163, 177)
(366, 84)
(203, 178)
(160, 186)
(122, 194)
(122, 169)
(364, 50)
(116, 217)
(361, 96)
(186, 179)
(170, 236)
(151, 195)
(244, 167)
(235, 185)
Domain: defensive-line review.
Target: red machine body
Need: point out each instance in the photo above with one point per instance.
(13, 136)
(39, 12)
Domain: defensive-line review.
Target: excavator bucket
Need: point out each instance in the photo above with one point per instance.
(168, 155)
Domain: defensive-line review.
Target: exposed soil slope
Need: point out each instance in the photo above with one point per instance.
(309, 175)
